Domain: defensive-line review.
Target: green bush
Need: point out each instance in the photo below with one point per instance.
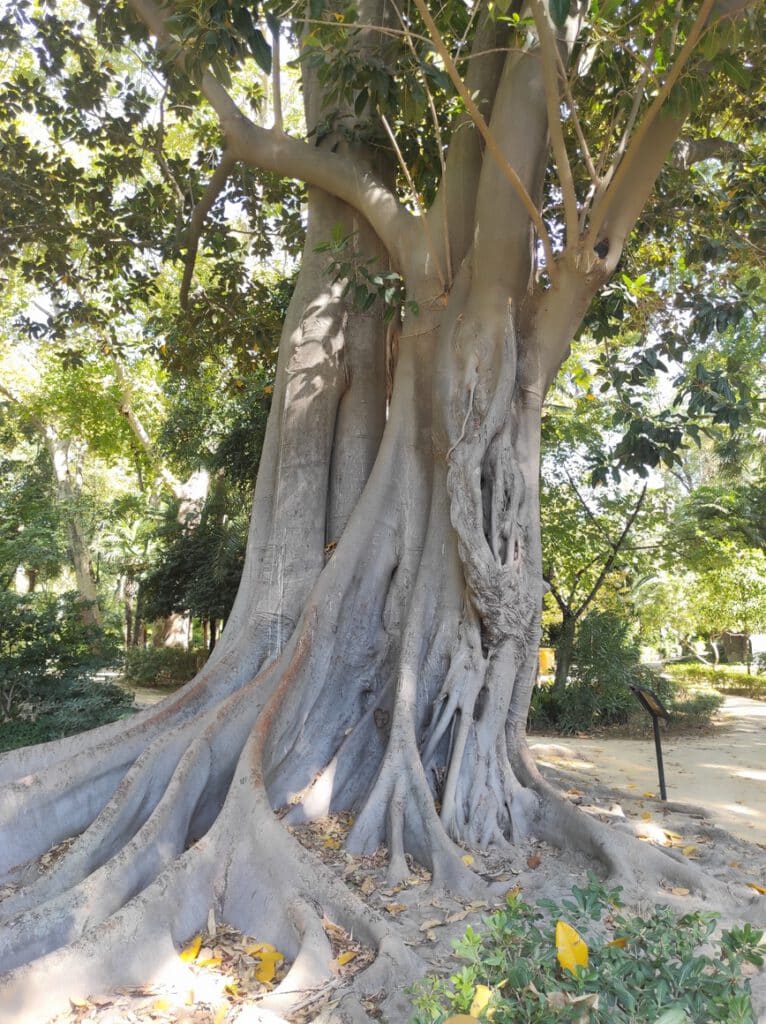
(47, 659)
(722, 678)
(162, 667)
(640, 969)
(605, 665)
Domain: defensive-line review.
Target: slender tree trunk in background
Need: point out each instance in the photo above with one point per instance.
(67, 473)
(564, 649)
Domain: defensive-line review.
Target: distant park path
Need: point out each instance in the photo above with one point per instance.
(723, 771)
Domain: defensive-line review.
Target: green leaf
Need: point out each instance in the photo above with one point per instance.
(260, 50)
(675, 1015)
(559, 12)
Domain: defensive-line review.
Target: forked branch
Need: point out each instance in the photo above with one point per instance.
(199, 214)
(273, 150)
(490, 140)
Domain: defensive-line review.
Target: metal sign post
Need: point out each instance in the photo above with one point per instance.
(652, 703)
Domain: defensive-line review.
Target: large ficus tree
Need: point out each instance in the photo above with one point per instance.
(473, 175)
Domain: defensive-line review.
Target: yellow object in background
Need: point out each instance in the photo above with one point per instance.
(546, 660)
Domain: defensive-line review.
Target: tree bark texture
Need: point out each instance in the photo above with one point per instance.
(381, 652)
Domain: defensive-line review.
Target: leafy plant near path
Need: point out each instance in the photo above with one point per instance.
(660, 968)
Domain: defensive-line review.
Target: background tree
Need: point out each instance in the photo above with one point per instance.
(382, 647)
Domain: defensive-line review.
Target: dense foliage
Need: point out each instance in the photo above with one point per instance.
(657, 967)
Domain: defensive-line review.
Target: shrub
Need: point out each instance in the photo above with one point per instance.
(639, 968)
(163, 667)
(597, 696)
(721, 678)
(47, 658)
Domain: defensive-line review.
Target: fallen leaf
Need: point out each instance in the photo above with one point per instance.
(646, 815)
(79, 1004)
(619, 943)
(648, 794)
(434, 922)
(571, 949)
(267, 968)
(758, 888)
(347, 957)
(259, 948)
(680, 891)
(481, 997)
(534, 861)
(395, 908)
(331, 843)
(161, 1004)
(689, 851)
(220, 1013)
(467, 859)
(459, 915)
(367, 886)
(460, 1018)
(211, 961)
(189, 953)
(231, 988)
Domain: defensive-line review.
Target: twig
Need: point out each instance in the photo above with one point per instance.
(276, 83)
(415, 196)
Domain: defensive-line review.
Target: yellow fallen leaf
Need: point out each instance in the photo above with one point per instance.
(79, 1004)
(680, 891)
(758, 888)
(161, 1005)
(189, 953)
(481, 997)
(619, 943)
(647, 815)
(467, 859)
(231, 988)
(460, 1018)
(259, 948)
(688, 851)
(267, 968)
(220, 1013)
(347, 957)
(648, 794)
(331, 843)
(571, 949)
(211, 961)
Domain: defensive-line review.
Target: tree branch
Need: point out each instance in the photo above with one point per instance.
(197, 222)
(489, 138)
(612, 557)
(274, 151)
(548, 50)
(688, 152)
(642, 140)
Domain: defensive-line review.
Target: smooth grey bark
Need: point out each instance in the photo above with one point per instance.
(383, 644)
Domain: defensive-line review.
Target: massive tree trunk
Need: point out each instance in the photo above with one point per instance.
(381, 652)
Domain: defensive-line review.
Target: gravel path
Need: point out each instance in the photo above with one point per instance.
(723, 771)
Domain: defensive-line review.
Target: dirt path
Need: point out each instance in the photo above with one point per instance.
(724, 771)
